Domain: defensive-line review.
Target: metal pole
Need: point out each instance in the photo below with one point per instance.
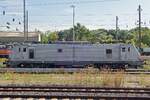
(117, 27)
(27, 24)
(140, 37)
(24, 12)
(74, 39)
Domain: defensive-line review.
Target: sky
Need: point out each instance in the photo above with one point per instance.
(56, 15)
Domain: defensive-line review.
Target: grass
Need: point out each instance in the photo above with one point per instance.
(147, 65)
(144, 80)
(112, 80)
(87, 77)
(2, 65)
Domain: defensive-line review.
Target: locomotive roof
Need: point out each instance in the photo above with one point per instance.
(70, 42)
(66, 43)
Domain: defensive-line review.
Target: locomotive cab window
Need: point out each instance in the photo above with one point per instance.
(108, 51)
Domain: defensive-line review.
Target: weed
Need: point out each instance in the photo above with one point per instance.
(86, 77)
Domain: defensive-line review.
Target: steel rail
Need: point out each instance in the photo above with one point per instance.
(68, 87)
(74, 92)
(77, 95)
(85, 91)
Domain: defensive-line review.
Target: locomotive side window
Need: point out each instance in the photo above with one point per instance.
(108, 51)
(4, 56)
(19, 49)
(60, 50)
(124, 49)
(31, 53)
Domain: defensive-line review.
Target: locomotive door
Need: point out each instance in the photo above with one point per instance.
(24, 53)
(31, 53)
(123, 53)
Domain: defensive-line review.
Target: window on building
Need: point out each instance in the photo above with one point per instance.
(108, 51)
(124, 49)
(60, 50)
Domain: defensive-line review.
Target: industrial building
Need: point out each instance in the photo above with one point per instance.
(9, 37)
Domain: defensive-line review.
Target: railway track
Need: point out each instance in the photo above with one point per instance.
(74, 92)
(68, 70)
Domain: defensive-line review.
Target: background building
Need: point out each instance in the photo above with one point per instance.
(7, 37)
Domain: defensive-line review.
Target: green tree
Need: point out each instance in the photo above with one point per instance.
(145, 32)
(123, 35)
(53, 36)
(81, 32)
(44, 38)
(99, 35)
